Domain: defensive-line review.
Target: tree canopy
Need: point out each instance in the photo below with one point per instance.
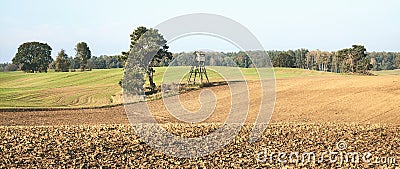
(83, 53)
(148, 49)
(33, 57)
(62, 62)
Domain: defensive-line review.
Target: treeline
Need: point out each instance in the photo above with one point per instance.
(240, 59)
(36, 57)
(8, 67)
(350, 60)
(385, 60)
(74, 63)
(84, 60)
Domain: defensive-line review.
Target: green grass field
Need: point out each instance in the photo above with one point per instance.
(69, 89)
(98, 87)
(387, 72)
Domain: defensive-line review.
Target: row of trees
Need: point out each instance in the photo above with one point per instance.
(349, 60)
(300, 58)
(338, 61)
(240, 59)
(63, 63)
(36, 57)
(384, 60)
(8, 67)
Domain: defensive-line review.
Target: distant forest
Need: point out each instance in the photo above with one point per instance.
(33, 57)
(100, 62)
(351, 60)
(342, 61)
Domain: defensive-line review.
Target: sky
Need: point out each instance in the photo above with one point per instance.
(279, 25)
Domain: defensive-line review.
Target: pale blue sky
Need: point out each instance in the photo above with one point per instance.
(280, 25)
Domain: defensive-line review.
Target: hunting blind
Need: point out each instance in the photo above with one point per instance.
(198, 68)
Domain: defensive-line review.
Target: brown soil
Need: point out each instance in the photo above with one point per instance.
(312, 114)
(339, 99)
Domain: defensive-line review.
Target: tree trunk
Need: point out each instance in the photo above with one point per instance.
(150, 77)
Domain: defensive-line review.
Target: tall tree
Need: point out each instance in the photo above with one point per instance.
(84, 54)
(62, 62)
(355, 59)
(310, 60)
(135, 36)
(300, 55)
(337, 62)
(33, 56)
(360, 61)
(141, 46)
(347, 60)
(292, 57)
(325, 61)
